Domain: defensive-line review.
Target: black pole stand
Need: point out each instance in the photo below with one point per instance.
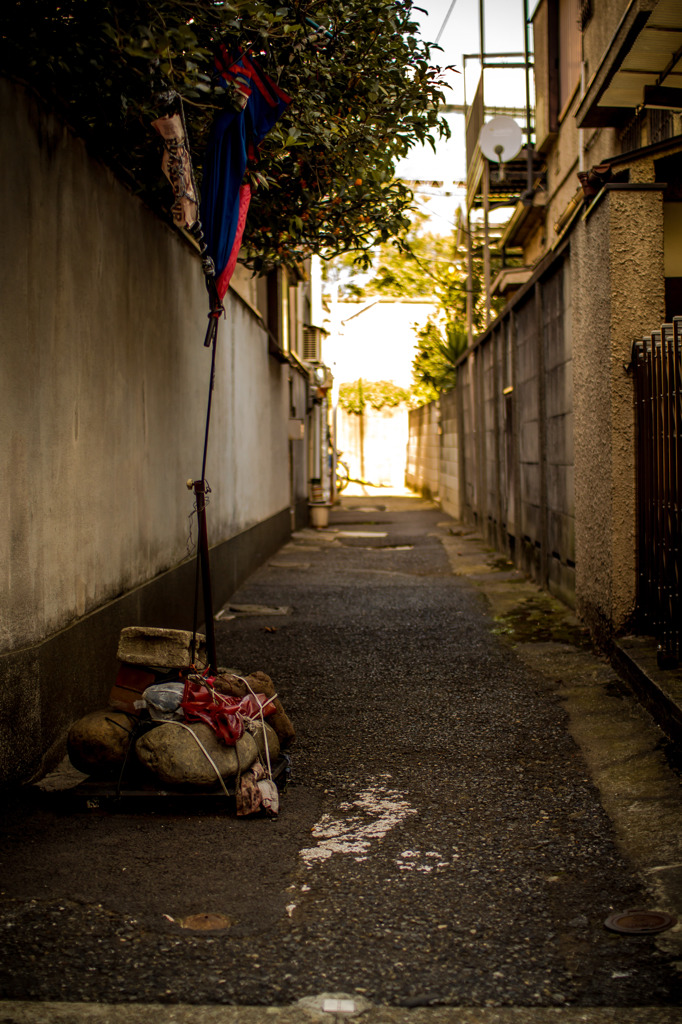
(199, 487)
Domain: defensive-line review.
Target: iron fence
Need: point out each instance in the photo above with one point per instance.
(658, 375)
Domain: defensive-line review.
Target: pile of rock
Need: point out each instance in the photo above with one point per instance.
(144, 731)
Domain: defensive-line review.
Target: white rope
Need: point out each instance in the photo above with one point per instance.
(262, 718)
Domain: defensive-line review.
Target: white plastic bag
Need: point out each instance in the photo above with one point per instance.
(162, 700)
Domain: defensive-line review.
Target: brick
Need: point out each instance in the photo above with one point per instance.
(159, 648)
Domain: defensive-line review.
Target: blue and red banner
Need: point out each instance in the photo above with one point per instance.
(233, 144)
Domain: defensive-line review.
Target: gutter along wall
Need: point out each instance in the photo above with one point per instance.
(103, 395)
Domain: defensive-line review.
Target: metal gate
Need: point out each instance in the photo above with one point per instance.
(658, 375)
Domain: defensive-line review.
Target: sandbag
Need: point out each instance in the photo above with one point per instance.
(97, 743)
(259, 682)
(256, 729)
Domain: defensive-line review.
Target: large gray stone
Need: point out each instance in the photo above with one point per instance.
(174, 757)
(159, 648)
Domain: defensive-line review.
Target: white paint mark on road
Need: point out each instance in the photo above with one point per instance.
(369, 818)
(411, 860)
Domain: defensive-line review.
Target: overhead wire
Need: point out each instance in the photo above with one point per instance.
(445, 21)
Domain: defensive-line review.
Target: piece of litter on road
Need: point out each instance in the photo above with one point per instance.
(359, 533)
(334, 1002)
(205, 922)
(338, 1006)
(259, 609)
(290, 908)
(289, 565)
(223, 616)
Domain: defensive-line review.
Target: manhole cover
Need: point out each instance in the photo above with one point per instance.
(640, 922)
(205, 922)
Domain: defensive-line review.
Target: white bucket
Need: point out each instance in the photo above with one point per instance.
(319, 516)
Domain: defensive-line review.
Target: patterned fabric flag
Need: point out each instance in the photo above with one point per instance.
(233, 144)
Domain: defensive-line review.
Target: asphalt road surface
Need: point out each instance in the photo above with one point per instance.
(442, 842)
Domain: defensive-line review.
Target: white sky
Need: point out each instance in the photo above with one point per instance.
(503, 28)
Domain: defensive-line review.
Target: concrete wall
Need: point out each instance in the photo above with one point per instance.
(423, 450)
(617, 266)
(449, 469)
(598, 284)
(538, 436)
(374, 445)
(103, 395)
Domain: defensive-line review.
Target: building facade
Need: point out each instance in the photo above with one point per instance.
(544, 412)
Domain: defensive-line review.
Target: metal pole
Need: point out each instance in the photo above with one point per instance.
(529, 147)
(486, 175)
(199, 487)
(470, 284)
(481, 30)
(486, 236)
(207, 593)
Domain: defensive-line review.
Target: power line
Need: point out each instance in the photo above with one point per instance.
(445, 21)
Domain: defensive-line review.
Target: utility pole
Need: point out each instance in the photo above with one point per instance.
(486, 175)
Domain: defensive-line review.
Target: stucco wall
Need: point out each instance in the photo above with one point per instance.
(104, 387)
(599, 32)
(617, 266)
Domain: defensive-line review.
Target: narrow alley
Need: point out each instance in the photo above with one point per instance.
(443, 842)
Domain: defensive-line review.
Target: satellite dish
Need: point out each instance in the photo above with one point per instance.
(500, 139)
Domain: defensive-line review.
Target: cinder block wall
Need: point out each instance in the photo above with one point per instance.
(499, 446)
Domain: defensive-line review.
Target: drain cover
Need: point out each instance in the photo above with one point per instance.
(205, 922)
(640, 922)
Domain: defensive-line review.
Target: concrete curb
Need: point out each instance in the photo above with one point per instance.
(16, 1012)
(659, 690)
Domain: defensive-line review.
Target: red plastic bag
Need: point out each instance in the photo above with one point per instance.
(222, 713)
(216, 710)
